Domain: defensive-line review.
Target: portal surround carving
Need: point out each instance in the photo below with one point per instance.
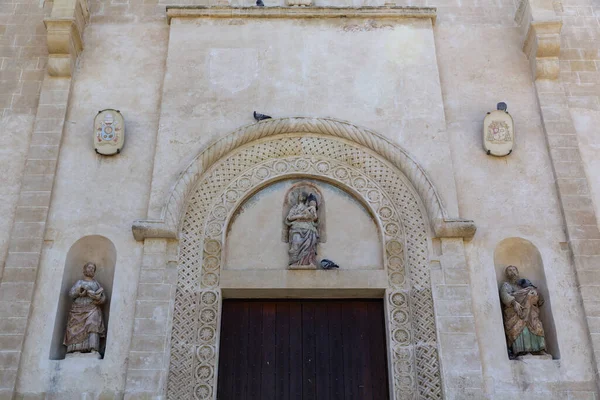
(387, 195)
(169, 223)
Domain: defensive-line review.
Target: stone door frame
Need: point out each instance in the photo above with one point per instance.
(380, 174)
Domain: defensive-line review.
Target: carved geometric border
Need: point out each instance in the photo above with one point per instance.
(170, 222)
(411, 325)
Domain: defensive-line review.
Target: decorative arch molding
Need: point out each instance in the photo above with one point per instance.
(169, 225)
(400, 214)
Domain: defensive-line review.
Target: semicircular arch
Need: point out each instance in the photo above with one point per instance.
(172, 213)
(375, 181)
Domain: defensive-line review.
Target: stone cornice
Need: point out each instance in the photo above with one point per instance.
(300, 12)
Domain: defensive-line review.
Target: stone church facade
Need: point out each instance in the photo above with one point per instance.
(377, 120)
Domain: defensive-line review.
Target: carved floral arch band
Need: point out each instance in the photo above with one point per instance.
(168, 226)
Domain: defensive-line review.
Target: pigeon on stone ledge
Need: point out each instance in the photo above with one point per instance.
(328, 264)
(258, 116)
(260, 4)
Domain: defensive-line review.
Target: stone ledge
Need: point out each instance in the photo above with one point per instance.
(314, 283)
(301, 12)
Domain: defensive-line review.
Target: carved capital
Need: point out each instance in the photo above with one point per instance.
(65, 35)
(542, 47)
(541, 37)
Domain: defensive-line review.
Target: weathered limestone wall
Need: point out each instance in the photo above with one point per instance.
(23, 56)
(513, 196)
(313, 67)
(288, 68)
(96, 195)
(580, 74)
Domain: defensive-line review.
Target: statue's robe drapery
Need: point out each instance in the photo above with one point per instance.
(303, 235)
(85, 326)
(525, 333)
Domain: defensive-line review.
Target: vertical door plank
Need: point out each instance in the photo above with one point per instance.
(295, 351)
(365, 386)
(323, 366)
(309, 380)
(347, 333)
(379, 373)
(254, 350)
(268, 368)
(336, 351)
(241, 345)
(282, 351)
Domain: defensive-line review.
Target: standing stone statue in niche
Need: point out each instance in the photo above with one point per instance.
(303, 225)
(85, 326)
(521, 301)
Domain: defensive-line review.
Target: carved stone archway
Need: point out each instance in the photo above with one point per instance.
(380, 174)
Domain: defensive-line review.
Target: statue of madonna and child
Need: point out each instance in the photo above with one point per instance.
(521, 302)
(85, 326)
(303, 226)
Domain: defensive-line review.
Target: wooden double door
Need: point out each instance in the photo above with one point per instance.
(301, 350)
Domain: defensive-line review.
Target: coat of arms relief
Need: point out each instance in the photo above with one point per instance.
(109, 132)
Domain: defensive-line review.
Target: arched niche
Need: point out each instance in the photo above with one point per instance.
(102, 252)
(526, 257)
(261, 214)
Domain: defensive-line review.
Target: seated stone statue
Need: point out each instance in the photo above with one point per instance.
(85, 326)
(521, 301)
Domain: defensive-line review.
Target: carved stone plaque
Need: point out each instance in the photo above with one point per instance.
(109, 132)
(498, 133)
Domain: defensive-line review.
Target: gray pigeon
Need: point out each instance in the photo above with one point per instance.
(260, 4)
(328, 264)
(258, 116)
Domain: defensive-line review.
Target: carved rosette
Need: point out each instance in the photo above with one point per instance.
(381, 187)
(206, 348)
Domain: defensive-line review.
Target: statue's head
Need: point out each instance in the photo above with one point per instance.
(302, 197)
(511, 272)
(89, 269)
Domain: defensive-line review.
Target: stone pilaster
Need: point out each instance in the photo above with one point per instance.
(542, 46)
(17, 285)
(29, 226)
(148, 366)
(455, 321)
(581, 226)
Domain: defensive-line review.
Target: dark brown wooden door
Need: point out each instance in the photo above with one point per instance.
(302, 350)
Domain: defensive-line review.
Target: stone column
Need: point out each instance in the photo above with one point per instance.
(17, 284)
